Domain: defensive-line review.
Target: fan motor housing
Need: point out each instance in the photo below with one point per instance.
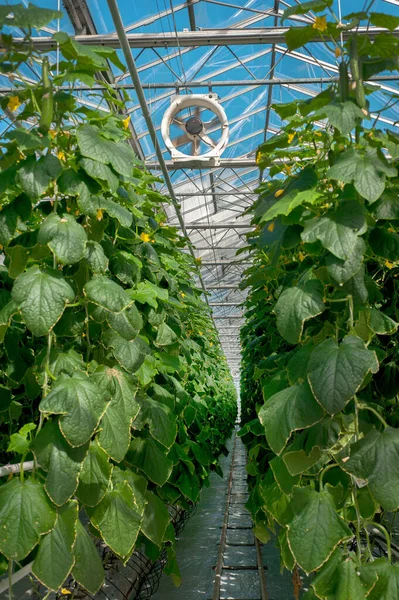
(194, 126)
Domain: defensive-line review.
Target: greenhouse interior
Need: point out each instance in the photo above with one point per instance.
(199, 300)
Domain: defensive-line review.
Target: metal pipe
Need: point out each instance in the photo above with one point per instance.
(223, 163)
(12, 469)
(215, 83)
(188, 39)
(218, 226)
(116, 17)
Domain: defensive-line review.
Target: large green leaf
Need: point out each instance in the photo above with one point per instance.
(26, 513)
(338, 231)
(62, 462)
(137, 483)
(367, 172)
(283, 477)
(159, 418)
(375, 459)
(336, 372)
(342, 115)
(93, 145)
(165, 336)
(95, 256)
(314, 513)
(387, 585)
(287, 411)
(94, 477)
(295, 306)
(88, 569)
(35, 176)
(150, 457)
(41, 296)
(299, 36)
(65, 237)
(300, 190)
(156, 519)
(304, 7)
(116, 519)
(106, 293)
(129, 354)
(127, 323)
(81, 403)
(343, 270)
(114, 434)
(31, 16)
(54, 559)
(307, 448)
(384, 243)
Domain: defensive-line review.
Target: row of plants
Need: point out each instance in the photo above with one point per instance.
(320, 380)
(112, 381)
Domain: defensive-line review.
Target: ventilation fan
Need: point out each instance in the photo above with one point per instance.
(198, 123)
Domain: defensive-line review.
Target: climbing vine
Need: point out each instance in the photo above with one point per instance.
(320, 378)
(115, 398)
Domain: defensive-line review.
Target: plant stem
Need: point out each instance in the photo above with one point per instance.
(46, 378)
(10, 570)
(377, 414)
(387, 537)
(328, 467)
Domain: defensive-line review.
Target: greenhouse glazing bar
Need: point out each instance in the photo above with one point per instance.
(189, 39)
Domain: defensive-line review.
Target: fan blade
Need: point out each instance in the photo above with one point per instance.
(209, 141)
(197, 112)
(179, 123)
(195, 147)
(213, 123)
(180, 140)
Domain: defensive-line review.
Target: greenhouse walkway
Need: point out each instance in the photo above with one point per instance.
(222, 529)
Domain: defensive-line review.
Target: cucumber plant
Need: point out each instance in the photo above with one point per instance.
(112, 383)
(320, 377)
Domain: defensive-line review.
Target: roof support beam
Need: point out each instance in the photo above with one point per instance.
(203, 37)
(191, 15)
(223, 163)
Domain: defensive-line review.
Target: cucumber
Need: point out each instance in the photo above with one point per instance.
(343, 81)
(47, 99)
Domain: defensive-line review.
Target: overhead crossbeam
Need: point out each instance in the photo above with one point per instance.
(187, 39)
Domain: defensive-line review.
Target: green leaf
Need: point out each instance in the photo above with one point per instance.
(337, 231)
(384, 243)
(118, 212)
(130, 355)
(156, 519)
(106, 293)
(165, 336)
(374, 458)
(295, 306)
(159, 418)
(25, 514)
(287, 411)
(138, 485)
(387, 585)
(390, 21)
(342, 115)
(336, 372)
(94, 477)
(95, 257)
(116, 519)
(304, 7)
(64, 236)
(380, 323)
(114, 436)
(127, 323)
(41, 296)
(343, 270)
(35, 176)
(30, 16)
(148, 293)
(150, 457)
(367, 173)
(19, 441)
(300, 190)
(81, 403)
(92, 145)
(88, 568)
(101, 172)
(54, 559)
(387, 207)
(299, 36)
(126, 267)
(315, 512)
(283, 477)
(62, 463)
